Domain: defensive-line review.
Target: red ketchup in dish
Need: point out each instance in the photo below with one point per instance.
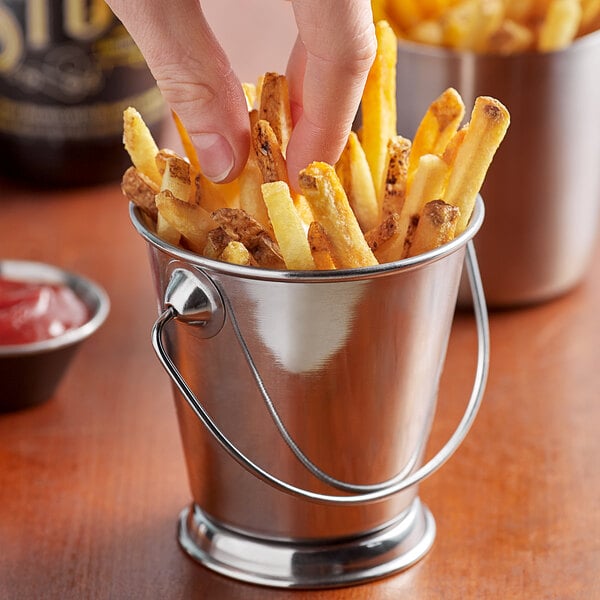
(32, 312)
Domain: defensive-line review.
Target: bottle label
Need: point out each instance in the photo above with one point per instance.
(68, 69)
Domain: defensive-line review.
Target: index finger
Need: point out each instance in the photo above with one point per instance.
(327, 73)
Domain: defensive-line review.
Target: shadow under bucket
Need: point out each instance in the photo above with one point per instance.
(305, 401)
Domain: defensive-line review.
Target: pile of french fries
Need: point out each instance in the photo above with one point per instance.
(386, 199)
(491, 26)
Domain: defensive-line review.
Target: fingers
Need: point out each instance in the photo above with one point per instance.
(195, 77)
(327, 71)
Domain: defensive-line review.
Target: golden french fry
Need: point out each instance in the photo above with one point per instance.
(355, 177)
(590, 16)
(236, 253)
(166, 231)
(436, 226)
(251, 199)
(511, 37)
(329, 203)
(379, 102)
(393, 192)
(487, 127)
(190, 220)
(449, 155)
(140, 190)
(186, 142)
(288, 227)
(140, 144)
(241, 227)
(437, 127)
(490, 16)
(428, 184)
(176, 178)
(275, 107)
(520, 11)
(268, 152)
(560, 25)
(428, 32)
(386, 240)
(161, 158)
(216, 241)
(250, 94)
(320, 247)
(405, 13)
(459, 24)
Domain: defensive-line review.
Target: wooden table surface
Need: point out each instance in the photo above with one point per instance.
(91, 483)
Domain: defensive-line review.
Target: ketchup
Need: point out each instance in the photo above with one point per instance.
(32, 312)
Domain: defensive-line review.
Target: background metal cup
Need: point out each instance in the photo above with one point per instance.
(542, 192)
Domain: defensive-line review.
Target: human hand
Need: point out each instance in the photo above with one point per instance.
(326, 73)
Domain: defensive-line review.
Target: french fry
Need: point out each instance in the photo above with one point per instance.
(379, 102)
(436, 226)
(428, 184)
(590, 16)
(272, 165)
(393, 192)
(140, 190)
(488, 125)
(560, 25)
(186, 142)
(271, 161)
(386, 240)
(241, 227)
(190, 220)
(459, 24)
(140, 144)
(449, 156)
(236, 253)
(250, 94)
(437, 127)
(288, 227)
(427, 32)
(251, 200)
(489, 18)
(405, 14)
(510, 38)
(325, 194)
(216, 241)
(355, 177)
(519, 10)
(176, 178)
(275, 107)
(320, 247)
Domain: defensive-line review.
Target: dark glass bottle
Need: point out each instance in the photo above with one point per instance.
(68, 69)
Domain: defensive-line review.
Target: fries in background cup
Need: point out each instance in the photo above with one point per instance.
(387, 197)
(492, 26)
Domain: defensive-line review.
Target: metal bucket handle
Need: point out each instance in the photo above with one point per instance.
(194, 302)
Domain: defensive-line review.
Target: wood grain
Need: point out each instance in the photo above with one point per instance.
(91, 483)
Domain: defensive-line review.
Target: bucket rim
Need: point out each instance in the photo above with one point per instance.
(250, 272)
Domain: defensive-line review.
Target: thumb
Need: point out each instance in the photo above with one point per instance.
(195, 78)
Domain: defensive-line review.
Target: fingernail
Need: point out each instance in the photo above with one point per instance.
(214, 154)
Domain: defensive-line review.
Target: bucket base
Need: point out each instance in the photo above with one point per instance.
(295, 564)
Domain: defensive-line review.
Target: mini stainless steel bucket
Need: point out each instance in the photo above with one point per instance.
(542, 191)
(305, 401)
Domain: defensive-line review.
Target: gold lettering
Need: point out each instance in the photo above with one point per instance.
(36, 17)
(86, 19)
(11, 41)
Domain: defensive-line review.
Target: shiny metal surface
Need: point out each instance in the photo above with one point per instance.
(351, 360)
(289, 564)
(542, 192)
(410, 475)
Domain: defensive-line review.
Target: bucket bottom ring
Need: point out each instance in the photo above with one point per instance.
(290, 564)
